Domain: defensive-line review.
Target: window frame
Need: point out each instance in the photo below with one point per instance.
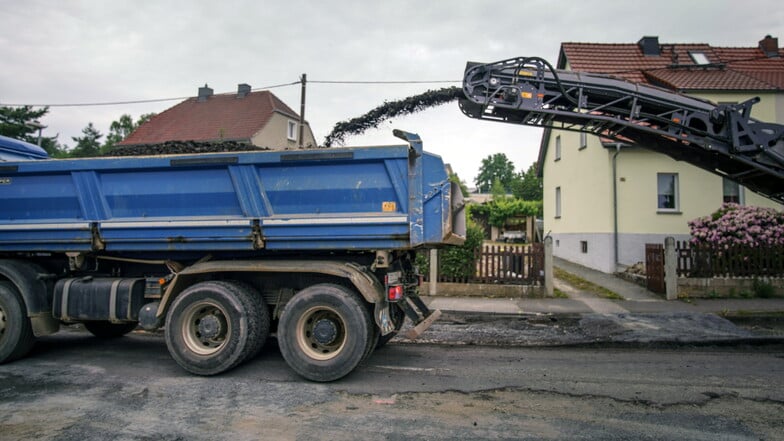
(676, 194)
(699, 58)
(291, 130)
(558, 202)
(741, 193)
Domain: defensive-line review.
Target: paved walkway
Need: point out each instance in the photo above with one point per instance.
(638, 300)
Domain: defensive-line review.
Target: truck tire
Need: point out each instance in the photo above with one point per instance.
(258, 307)
(324, 332)
(16, 332)
(211, 327)
(108, 330)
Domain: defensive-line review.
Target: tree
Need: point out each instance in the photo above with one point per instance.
(122, 128)
(498, 191)
(528, 185)
(16, 122)
(497, 166)
(89, 144)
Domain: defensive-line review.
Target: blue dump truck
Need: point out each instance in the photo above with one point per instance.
(220, 250)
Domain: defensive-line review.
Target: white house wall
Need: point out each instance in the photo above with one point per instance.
(585, 179)
(274, 134)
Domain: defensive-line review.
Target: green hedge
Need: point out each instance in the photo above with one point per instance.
(457, 260)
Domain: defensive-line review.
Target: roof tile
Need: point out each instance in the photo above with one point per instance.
(729, 69)
(220, 117)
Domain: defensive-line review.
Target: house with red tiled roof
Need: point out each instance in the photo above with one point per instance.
(603, 200)
(258, 118)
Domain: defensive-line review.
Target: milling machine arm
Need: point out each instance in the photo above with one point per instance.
(722, 139)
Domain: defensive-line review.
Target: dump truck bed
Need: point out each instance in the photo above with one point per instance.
(359, 198)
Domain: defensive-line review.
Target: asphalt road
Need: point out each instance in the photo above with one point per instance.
(75, 387)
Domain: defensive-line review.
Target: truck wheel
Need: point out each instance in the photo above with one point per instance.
(324, 331)
(102, 329)
(398, 316)
(16, 333)
(258, 308)
(210, 327)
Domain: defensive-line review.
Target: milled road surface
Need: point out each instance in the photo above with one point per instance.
(75, 387)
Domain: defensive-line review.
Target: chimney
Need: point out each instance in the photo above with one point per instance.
(243, 90)
(650, 46)
(770, 46)
(204, 93)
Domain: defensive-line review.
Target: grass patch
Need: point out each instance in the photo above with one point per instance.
(558, 294)
(584, 285)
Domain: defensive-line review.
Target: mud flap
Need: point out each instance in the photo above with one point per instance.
(420, 315)
(417, 330)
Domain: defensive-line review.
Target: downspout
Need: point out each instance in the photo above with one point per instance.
(615, 201)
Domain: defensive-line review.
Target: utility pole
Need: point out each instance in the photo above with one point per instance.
(36, 125)
(303, 81)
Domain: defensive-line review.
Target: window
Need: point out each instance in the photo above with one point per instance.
(557, 202)
(558, 148)
(583, 140)
(292, 131)
(584, 246)
(667, 191)
(699, 58)
(732, 191)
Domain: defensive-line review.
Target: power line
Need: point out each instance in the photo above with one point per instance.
(275, 86)
(384, 82)
(117, 103)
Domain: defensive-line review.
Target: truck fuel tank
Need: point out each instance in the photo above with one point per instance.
(87, 298)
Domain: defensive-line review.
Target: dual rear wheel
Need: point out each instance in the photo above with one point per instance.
(212, 327)
(324, 331)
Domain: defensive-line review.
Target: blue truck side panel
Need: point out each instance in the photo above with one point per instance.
(354, 198)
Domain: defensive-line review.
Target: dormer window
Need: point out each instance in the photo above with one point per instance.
(699, 58)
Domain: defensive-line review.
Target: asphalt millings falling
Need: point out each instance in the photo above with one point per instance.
(391, 109)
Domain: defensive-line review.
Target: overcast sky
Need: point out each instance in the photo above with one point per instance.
(68, 52)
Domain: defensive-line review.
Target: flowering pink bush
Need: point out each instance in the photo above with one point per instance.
(738, 225)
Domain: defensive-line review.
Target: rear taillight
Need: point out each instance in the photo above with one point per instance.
(395, 293)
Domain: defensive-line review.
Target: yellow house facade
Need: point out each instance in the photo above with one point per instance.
(603, 201)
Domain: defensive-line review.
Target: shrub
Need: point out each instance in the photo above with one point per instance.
(457, 261)
(737, 225)
(498, 211)
(763, 289)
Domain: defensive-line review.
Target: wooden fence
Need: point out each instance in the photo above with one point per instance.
(503, 264)
(715, 261)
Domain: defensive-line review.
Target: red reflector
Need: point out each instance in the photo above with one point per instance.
(395, 293)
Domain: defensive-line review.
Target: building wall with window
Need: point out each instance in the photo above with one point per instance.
(596, 222)
(591, 217)
(283, 130)
(654, 196)
(604, 202)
